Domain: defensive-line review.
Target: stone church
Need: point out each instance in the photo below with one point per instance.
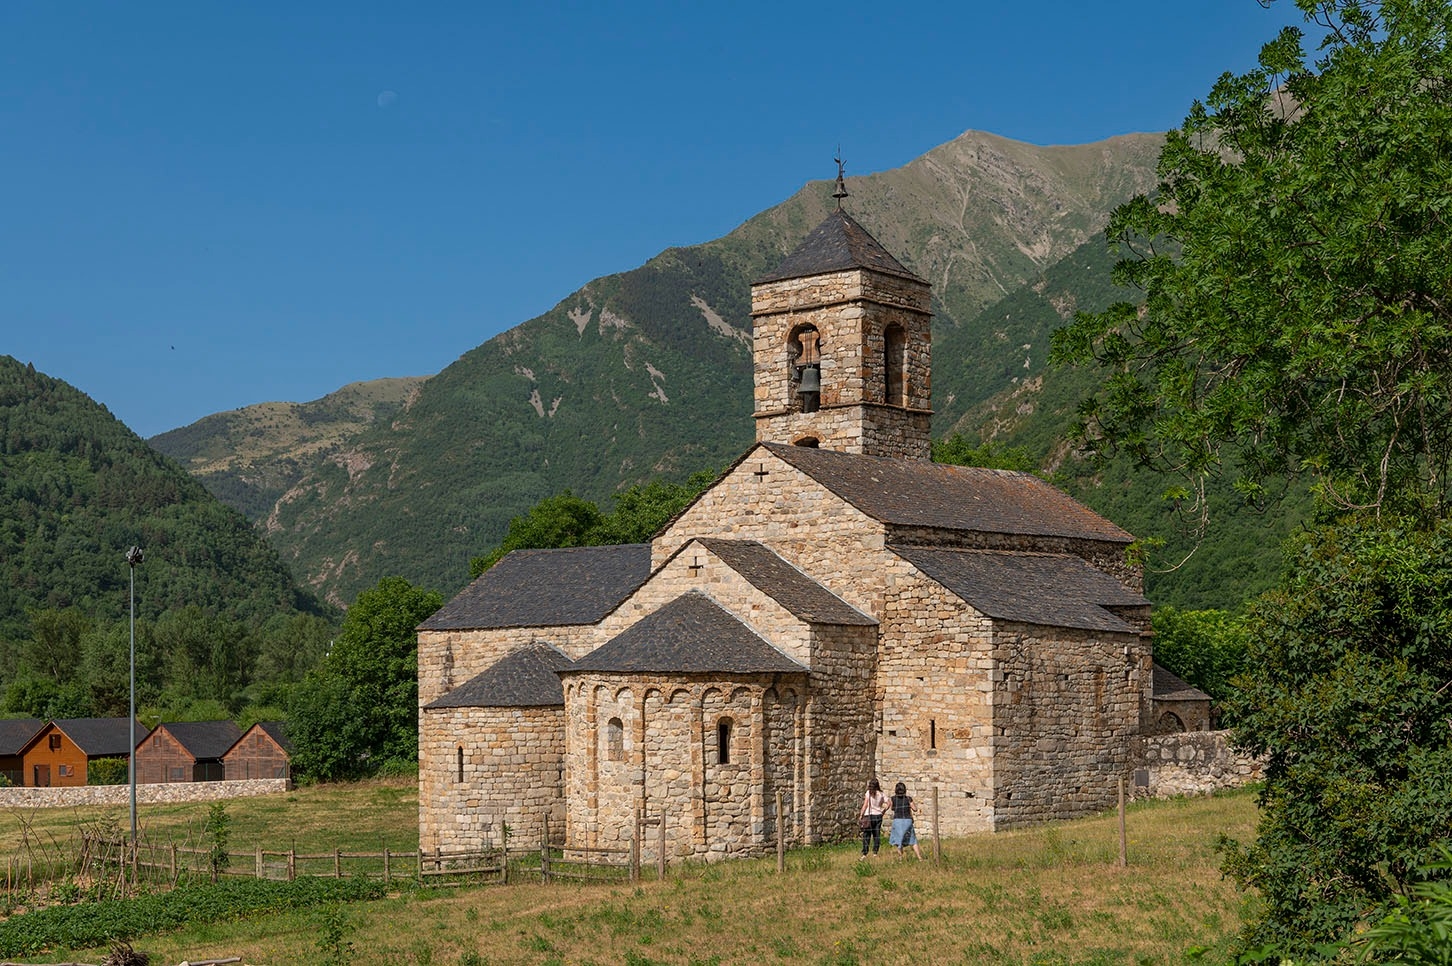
(836, 607)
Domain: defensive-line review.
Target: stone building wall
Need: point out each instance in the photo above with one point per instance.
(1066, 710)
(447, 659)
(512, 763)
(58, 797)
(1107, 556)
(851, 311)
(1189, 763)
(840, 748)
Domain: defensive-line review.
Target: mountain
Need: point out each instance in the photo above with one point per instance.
(647, 372)
(77, 488)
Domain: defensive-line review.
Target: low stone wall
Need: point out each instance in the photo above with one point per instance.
(1189, 763)
(145, 794)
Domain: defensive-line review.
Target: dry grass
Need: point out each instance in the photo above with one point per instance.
(1038, 896)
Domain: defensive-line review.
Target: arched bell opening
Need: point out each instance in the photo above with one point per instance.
(811, 442)
(894, 350)
(804, 352)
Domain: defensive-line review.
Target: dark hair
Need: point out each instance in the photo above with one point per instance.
(901, 789)
(873, 786)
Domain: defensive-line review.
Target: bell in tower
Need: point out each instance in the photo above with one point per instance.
(809, 370)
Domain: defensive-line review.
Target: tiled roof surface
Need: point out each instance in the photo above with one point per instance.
(788, 586)
(690, 635)
(917, 493)
(203, 739)
(547, 588)
(838, 244)
(526, 678)
(1049, 589)
(1170, 687)
(102, 737)
(15, 734)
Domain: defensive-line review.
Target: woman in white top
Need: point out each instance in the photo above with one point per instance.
(874, 804)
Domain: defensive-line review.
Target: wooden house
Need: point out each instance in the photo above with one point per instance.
(185, 751)
(14, 734)
(262, 752)
(59, 753)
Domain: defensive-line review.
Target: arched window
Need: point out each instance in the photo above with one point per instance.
(805, 368)
(811, 442)
(723, 741)
(615, 740)
(894, 345)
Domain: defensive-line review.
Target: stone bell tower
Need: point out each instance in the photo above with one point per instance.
(842, 346)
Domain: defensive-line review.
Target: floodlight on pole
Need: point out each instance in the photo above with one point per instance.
(133, 560)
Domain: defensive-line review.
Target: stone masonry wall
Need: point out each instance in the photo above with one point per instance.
(56, 797)
(513, 759)
(1103, 555)
(1189, 763)
(851, 311)
(1067, 706)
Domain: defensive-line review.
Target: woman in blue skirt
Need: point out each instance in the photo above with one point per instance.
(903, 811)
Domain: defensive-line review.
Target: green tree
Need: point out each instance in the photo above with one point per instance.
(958, 450)
(1295, 263)
(562, 520)
(359, 708)
(1205, 647)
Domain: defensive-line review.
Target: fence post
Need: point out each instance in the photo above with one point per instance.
(635, 847)
(292, 863)
(337, 863)
(660, 860)
(780, 837)
(172, 867)
(1123, 843)
(387, 867)
(937, 839)
(544, 847)
(259, 861)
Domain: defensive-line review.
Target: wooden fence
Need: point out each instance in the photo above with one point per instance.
(168, 863)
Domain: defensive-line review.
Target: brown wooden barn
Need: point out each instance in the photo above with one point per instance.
(185, 751)
(262, 752)
(59, 753)
(14, 734)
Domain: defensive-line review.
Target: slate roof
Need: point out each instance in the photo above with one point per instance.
(801, 595)
(526, 678)
(1049, 589)
(690, 635)
(15, 734)
(101, 737)
(547, 588)
(203, 739)
(838, 244)
(1170, 687)
(918, 493)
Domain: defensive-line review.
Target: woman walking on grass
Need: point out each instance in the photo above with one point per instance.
(874, 804)
(903, 811)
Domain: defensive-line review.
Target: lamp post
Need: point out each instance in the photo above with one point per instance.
(133, 559)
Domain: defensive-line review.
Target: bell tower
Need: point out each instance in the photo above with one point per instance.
(842, 344)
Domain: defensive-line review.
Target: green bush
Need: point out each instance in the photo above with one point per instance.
(108, 771)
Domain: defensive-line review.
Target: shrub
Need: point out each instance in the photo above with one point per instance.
(108, 771)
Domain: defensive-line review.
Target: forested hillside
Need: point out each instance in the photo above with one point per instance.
(77, 488)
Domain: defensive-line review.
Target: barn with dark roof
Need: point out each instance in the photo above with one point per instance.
(834, 608)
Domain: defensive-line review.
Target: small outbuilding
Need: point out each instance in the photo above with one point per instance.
(15, 733)
(185, 751)
(59, 753)
(263, 751)
(1178, 705)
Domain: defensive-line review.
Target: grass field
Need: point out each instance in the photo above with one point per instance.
(1047, 895)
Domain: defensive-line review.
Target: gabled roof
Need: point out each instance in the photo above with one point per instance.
(799, 594)
(1055, 590)
(917, 493)
(547, 588)
(276, 730)
(201, 739)
(99, 737)
(1167, 686)
(690, 635)
(838, 244)
(526, 678)
(15, 733)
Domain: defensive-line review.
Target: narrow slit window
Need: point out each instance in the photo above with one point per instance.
(459, 758)
(932, 733)
(723, 741)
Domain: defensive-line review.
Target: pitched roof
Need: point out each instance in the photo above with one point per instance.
(917, 493)
(1055, 590)
(801, 595)
(690, 635)
(547, 588)
(838, 244)
(202, 739)
(526, 678)
(1169, 687)
(101, 737)
(276, 730)
(15, 733)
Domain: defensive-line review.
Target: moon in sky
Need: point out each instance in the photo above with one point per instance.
(386, 99)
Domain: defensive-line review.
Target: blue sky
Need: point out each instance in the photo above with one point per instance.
(207, 205)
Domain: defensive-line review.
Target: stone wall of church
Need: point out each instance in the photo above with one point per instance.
(447, 659)
(935, 681)
(840, 750)
(1066, 709)
(1104, 555)
(482, 767)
